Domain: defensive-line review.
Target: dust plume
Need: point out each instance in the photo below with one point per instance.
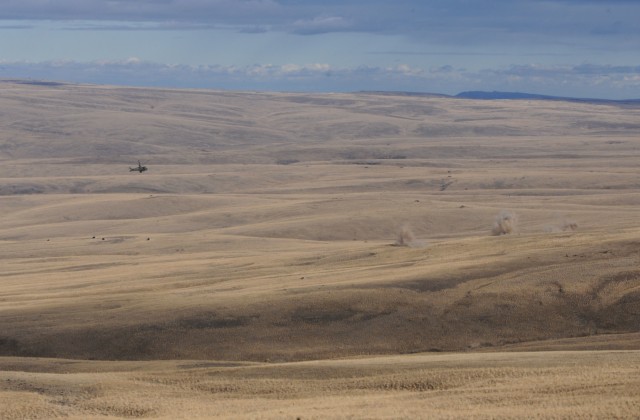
(561, 225)
(506, 222)
(407, 238)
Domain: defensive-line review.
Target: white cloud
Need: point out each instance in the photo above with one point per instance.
(418, 32)
(290, 68)
(579, 81)
(321, 24)
(407, 70)
(132, 61)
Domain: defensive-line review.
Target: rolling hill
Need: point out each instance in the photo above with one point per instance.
(274, 230)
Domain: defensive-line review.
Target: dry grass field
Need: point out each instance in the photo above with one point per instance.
(316, 255)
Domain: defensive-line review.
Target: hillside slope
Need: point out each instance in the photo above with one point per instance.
(267, 225)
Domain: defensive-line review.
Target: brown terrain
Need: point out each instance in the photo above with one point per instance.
(316, 255)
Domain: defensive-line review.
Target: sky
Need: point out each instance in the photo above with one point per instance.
(579, 48)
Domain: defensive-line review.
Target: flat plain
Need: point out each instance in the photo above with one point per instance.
(316, 255)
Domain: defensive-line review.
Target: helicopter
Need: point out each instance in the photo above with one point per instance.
(140, 168)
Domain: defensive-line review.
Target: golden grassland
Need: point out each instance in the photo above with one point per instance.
(599, 384)
(255, 269)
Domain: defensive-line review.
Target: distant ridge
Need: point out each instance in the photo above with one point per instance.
(471, 94)
(403, 93)
(34, 82)
(477, 94)
(495, 95)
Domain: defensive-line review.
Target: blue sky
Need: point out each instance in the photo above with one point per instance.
(583, 48)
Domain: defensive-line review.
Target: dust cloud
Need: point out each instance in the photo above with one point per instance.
(407, 238)
(505, 223)
(561, 225)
